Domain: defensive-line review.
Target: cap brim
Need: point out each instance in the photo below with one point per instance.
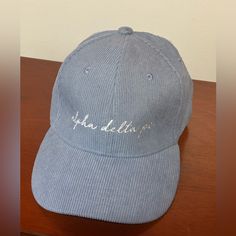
(125, 190)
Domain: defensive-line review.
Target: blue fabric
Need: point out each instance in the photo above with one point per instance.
(120, 102)
(125, 190)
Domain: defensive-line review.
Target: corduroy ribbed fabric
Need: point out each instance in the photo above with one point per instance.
(125, 190)
(120, 102)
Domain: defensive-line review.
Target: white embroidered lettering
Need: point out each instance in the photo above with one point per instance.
(77, 121)
(125, 127)
(108, 128)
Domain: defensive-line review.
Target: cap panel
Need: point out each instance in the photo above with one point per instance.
(86, 93)
(173, 56)
(55, 100)
(166, 48)
(148, 95)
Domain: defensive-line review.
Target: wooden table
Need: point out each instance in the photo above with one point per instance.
(193, 211)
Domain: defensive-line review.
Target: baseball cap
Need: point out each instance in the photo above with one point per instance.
(119, 104)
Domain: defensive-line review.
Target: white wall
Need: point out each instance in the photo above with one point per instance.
(50, 29)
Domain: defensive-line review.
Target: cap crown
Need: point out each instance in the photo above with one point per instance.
(122, 95)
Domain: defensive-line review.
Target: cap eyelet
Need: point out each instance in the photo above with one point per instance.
(87, 69)
(149, 76)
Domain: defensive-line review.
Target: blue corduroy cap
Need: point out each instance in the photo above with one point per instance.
(119, 105)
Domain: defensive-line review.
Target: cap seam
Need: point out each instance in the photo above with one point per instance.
(66, 61)
(115, 83)
(109, 155)
(158, 51)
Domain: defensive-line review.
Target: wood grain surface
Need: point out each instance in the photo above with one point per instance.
(193, 211)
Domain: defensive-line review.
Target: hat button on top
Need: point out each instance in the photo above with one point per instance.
(125, 30)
